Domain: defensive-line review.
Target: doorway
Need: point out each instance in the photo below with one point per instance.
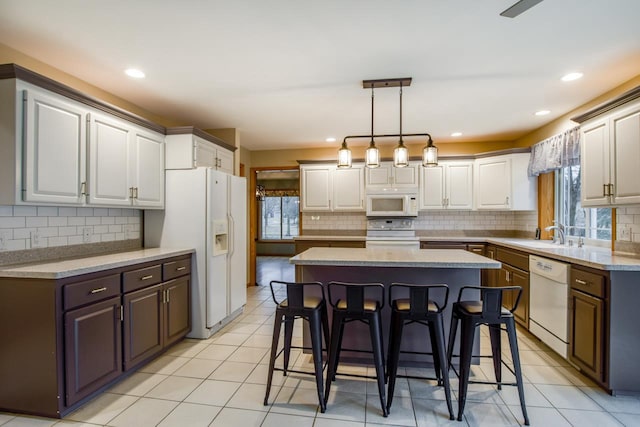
(274, 213)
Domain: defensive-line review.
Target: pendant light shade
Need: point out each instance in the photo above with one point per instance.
(344, 156)
(372, 154)
(430, 154)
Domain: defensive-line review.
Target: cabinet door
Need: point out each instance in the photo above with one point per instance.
(143, 319)
(316, 188)
(177, 322)
(625, 156)
(148, 170)
(379, 177)
(205, 154)
(586, 345)
(459, 183)
(348, 191)
(54, 149)
(432, 187)
(93, 348)
(490, 275)
(405, 177)
(521, 278)
(109, 161)
(224, 161)
(493, 183)
(594, 164)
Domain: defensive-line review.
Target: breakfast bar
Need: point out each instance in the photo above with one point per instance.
(455, 268)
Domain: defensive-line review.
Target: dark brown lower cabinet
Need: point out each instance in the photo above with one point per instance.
(585, 329)
(93, 348)
(176, 309)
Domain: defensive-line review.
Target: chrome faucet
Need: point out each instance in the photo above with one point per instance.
(558, 232)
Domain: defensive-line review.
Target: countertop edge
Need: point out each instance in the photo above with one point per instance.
(93, 264)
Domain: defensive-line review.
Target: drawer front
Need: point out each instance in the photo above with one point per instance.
(90, 291)
(517, 259)
(141, 278)
(171, 270)
(476, 249)
(587, 282)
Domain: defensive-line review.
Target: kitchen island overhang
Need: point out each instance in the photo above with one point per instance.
(454, 267)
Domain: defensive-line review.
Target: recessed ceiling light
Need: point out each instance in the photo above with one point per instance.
(135, 73)
(330, 139)
(454, 134)
(571, 76)
(542, 112)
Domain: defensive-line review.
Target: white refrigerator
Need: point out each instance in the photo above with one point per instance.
(206, 209)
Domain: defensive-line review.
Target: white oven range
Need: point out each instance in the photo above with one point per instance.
(391, 233)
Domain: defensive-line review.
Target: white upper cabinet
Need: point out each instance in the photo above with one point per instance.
(188, 151)
(348, 188)
(388, 176)
(610, 155)
(148, 169)
(502, 183)
(54, 149)
(327, 188)
(449, 185)
(315, 183)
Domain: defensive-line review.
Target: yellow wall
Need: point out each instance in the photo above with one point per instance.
(9, 55)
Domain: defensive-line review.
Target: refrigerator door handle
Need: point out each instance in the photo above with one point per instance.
(231, 231)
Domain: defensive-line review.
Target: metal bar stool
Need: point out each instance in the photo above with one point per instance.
(421, 309)
(299, 305)
(363, 303)
(488, 311)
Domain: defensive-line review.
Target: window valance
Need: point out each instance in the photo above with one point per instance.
(553, 153)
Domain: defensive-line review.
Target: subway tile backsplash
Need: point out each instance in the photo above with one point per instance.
(432, 220)
(31, 227)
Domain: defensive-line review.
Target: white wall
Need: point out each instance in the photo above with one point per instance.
(60, 226)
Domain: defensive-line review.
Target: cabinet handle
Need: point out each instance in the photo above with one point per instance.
(147, 277)
(131, 192)
(98, 290)
(135, 192)
(181, 268)
(604, 190)
(167, 292)
(507, 276)
(610, 189)
(581, 282)
(507, 201)
(83, 188)
(122, 313)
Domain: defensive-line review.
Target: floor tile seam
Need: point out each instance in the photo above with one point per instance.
(602, 409)
(115, 416)
(202, 380)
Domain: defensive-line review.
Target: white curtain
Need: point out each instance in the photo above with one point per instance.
(556, 152)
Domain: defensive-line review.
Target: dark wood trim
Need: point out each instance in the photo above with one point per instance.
(10, 71)
(182, 130)
(609, 105)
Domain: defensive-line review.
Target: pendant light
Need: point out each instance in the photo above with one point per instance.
(372, 154)
(401, 153)
(344, 156)
(430, 154)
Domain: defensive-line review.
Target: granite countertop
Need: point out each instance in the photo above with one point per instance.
(77, 266)
(396, 257)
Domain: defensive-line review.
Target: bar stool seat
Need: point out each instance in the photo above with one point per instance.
(363, 302)
(421, 309)
(488, 311)
(299, 305)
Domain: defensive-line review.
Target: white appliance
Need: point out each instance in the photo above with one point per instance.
(392, 203)
(391, 233)
(548, 302)
(206, 209)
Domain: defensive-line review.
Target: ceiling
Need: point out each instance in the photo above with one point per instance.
(288, 73)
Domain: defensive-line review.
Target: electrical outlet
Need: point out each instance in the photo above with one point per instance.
(625, 233)
(36, 241)
(3, 243)
(86, 235)
(315, 217)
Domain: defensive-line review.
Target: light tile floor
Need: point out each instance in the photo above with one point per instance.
(221, 382)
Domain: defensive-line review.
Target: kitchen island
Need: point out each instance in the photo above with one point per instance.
(455, 268)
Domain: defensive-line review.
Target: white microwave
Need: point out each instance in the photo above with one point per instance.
(392, 204)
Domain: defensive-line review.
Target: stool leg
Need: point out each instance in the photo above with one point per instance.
(438, 330)
(467, 330)
(288, 334)
(315, 327)
(378, 357)
(395, 341)
(332, 361)
(437, 363)
(496, 352)
(274, 350)
(325, 328)
(452, 336)
(515, 356)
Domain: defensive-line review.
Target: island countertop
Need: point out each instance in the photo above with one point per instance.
(396, 257)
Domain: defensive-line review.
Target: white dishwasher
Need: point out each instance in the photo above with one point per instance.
(548, 302)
